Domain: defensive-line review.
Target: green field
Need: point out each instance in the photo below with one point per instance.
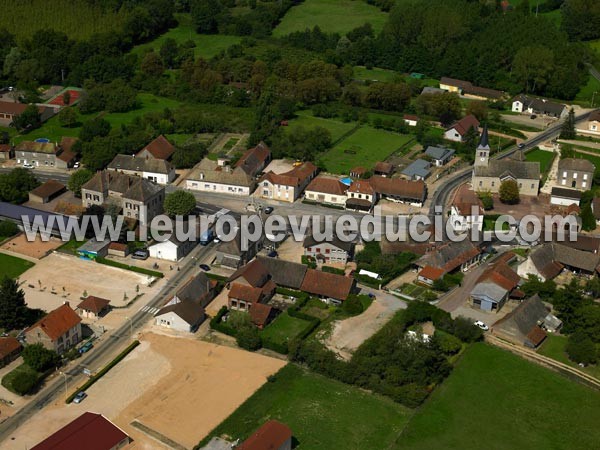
(554, 347)
(494, 399)
(284, 328)
(207, 45)
(305, 119)
(323, 414)
(76, 18)
(368, 146)
(543, 157)
(586, 94)
(12, 266)
(333, 16)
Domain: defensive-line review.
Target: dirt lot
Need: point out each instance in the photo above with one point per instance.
(290, 250)
(280, 166)
(178, 387)
(75, 275)
(36, 249)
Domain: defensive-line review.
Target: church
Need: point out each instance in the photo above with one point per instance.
(488, 173)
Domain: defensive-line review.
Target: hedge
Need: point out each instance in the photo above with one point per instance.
(110, 262)
(216, 323)
(104, 370)
(330, 269)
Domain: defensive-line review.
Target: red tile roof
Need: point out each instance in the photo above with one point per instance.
(384, 167)
(93, 304)
(8, 345)
(244, 292)
(119, 246)
(410, 117)
(295, 177)
(254, 272)
(271, 436)
(260, 313)
(57, 322)
(502, 275)
(254, 159)
(89, 431)
(465, 124)
(327, 284)
(12, 107)
(399, 187)
(5, 148)
(362, 187)
(536, 336)
(160, 148)
(325, 185)
(432, 273)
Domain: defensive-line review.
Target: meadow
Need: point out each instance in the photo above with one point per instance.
(284, 328)
(376, 74)
(12, 266)
(586, 94)
(542, 156)
(335, 16)
(323, 414)
(77, 18)
(305, 119)
(207, 45)
(554, 347)
(365, 147)
(494, 399)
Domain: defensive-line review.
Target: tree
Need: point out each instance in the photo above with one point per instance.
(169, 52)
(66, 98)
(93, 128)
(205, 15)
(78, 179)
(13, 309)
(567, 130)
(353, 305)
(68, 117)
(8, 228)
(581, 19)
(248, 338)
(39, 358)
(15, 185)
(152, 65)
(28, 119)
(487, 200)
(588, 221)
(179, 203)
(581, 348)
(509, 192)
(478, 109)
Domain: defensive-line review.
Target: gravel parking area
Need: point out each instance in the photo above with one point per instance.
(35, 249)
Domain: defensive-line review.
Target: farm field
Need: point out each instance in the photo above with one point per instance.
(207, 45)
(522, 406)
(543, 157)
(284, 328)
(12, 266)
(364, 147)
(77, 18)
(335, 16)
(554, 347)
(305, 119)
(323, 414)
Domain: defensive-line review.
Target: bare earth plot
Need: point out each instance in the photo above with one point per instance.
(76, 276)
(36, 249)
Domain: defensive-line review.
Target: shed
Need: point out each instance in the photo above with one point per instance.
(93, 249)
(417, 170)
(47, 192)
(93, 307)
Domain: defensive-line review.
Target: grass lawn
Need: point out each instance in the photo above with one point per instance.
(8, 379)
(494, 399)
(554, 347)
(323, 414)
(207, 45)
(13, 266)
(284, 328)
(543, 157)
(586, 94)
(365, 147)
(305, 119)
(595, 45)
(334, 16)
(375, 74)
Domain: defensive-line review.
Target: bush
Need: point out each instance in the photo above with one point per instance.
(248, 338)
(39, 358)
(309, 261)
(330, 269)
(447, 343)
(353, 305)
(581, 349)
(8, 229)
(22, 380)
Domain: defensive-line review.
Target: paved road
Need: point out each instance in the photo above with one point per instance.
(103, 353)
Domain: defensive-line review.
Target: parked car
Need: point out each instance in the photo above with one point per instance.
(272, 254)
(533, 116)
(76, 165)
(268, 210)
(216, 240)
(79, 397)
(140, 254)
(481, 325)
(205, 267)
(86, 347)
(28, 166)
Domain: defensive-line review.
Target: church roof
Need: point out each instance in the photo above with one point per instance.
(528, 170)
(484, 141)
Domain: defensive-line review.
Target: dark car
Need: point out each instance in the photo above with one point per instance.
(140, 254)
(268, 210)
(86, 347)
(205, 267)
(533, 116)
(521, 145)
(272, 254)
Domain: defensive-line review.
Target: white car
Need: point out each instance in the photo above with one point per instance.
(481, 325)
(76, 165)
(28, 166)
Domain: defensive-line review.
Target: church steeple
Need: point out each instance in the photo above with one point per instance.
(482, 154)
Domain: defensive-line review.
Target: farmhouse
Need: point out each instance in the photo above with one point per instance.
(361, 196)
(10, 110)
(334, 251)
(287, 186)
(47, 192)
(10, 349)
(59, 330)
(548, 260)
(459, 130)
(592, 125)
(250, 284)
(93, 307)
(89, 431)
(159, 148)
(331, 288)
(284, 273)
(272, 435)
(576, 173)
(230, 254)
(531, 105)
(399, 190)
(446, 258)
(326, 191)
(157, 170)
(439, 155)
(43, 154)
(488, 174)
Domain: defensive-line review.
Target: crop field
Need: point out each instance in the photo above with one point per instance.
(207, 45)
(542, 156)
(76, 18)
(323, 414)
(365, 147)
(305, 119)
(335, 16)
(12, 266)
(494, 399)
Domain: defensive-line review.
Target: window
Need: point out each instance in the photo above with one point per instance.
(563, 182)
(584, 184)
(493, 183)
(480, 183)
(327, 251)
(520, 185)
(532, 185)
(574, 175)
(574, 183)
(585, 176)
(565, 174)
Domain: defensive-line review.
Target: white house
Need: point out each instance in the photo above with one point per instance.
(171, 249)
(458, 131)
(159, 171)
(439, 155)
(531, 105)
(286, 186)
(326, 191)
(178, 315)
(411, 120)
(592, 125)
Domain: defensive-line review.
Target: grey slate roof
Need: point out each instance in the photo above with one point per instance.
(211, 172)
(523, 318)
(284, 273)
(541, 106)
(432, 90)
(140, 164)
(528, 170)
(310, 241)
(190, 311)
(419, 168)
(195, 288)
(142, 190)
(439, 152)
(566, 193)
(489, 289)
(576, 164)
